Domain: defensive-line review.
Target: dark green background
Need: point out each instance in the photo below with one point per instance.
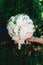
(10, 55)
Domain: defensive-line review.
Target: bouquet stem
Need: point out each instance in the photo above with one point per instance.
(19, 46)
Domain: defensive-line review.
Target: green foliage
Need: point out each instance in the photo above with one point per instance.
(10, 55)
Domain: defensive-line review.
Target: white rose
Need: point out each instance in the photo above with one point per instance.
(20, 27)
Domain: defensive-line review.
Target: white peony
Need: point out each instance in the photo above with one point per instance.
(20, 27)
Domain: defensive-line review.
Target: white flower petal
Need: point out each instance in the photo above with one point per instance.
(18, 27)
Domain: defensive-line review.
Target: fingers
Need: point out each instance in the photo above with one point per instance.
(31, 39)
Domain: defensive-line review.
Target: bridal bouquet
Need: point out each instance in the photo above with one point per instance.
(20, 27)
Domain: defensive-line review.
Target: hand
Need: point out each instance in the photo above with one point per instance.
(36, 39)
(31, 39)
